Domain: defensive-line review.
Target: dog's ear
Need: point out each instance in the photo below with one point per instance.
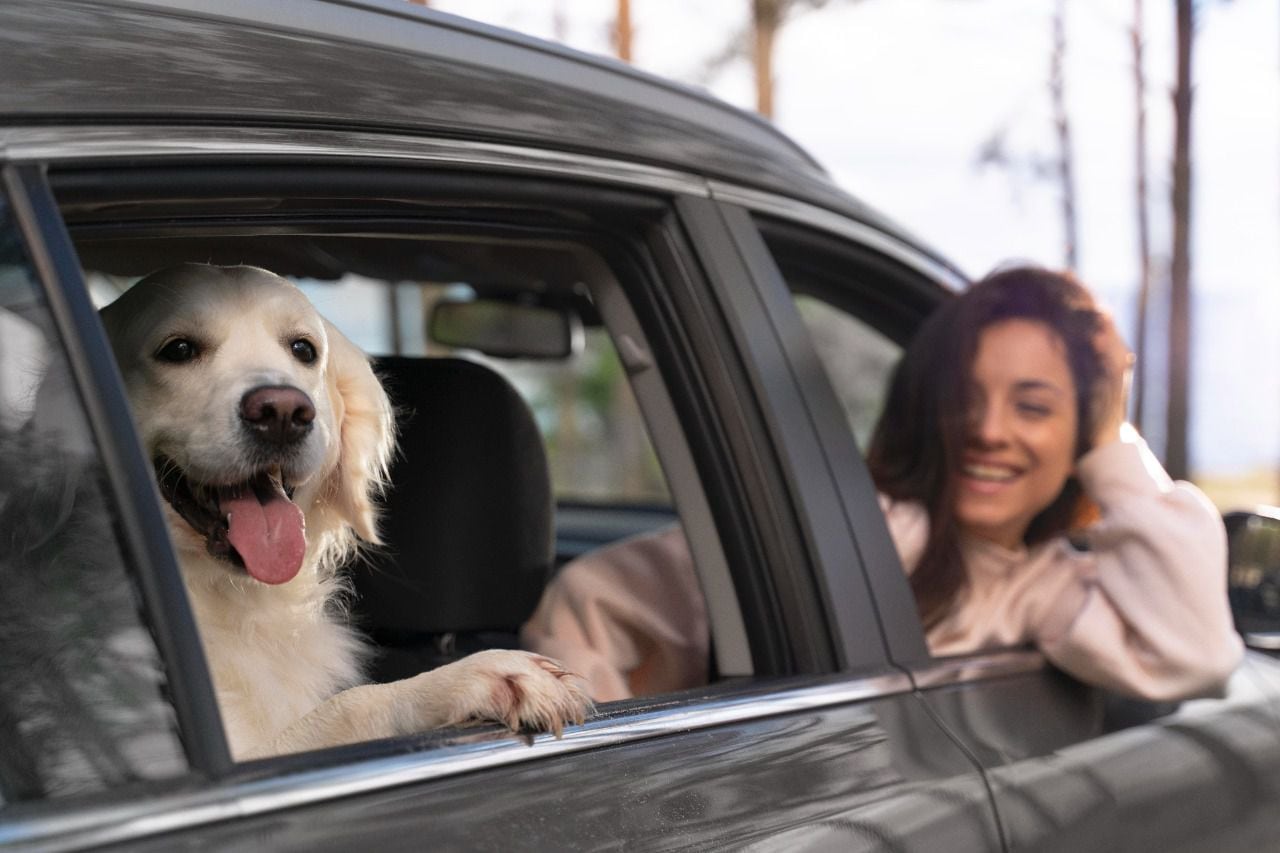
(366, 435)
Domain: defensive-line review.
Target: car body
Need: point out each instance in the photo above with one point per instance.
(374, 146)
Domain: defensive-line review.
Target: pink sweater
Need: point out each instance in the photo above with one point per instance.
(1143, 611)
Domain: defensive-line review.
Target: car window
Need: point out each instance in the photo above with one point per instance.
(857, 358)
(82, 702)
(871, 306)
(842, 303)
(597, 448)
(443, 305)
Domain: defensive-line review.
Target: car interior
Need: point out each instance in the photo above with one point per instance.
(520, 442)
(527, 435)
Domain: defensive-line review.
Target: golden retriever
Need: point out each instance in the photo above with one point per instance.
(271, 435)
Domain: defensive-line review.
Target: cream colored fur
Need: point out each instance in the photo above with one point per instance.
(286, 668)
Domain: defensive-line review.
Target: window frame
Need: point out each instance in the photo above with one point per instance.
(877, 557)
(628, 228)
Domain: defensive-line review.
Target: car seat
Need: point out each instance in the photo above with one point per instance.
(467, 522)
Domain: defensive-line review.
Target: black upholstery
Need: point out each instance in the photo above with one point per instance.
(467, 521)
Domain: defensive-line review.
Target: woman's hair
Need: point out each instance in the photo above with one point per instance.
(918, 445)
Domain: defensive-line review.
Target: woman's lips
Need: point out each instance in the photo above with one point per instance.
(988, 477)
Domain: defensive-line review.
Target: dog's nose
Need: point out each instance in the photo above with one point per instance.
(277, 414)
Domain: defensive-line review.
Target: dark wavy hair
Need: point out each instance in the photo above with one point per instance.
(918, 445)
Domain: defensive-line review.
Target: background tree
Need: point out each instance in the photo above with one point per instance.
(622, 31)
(1064, 164)
(1059, 167)
(1176, 414)
(1144, 230)
(757, 43)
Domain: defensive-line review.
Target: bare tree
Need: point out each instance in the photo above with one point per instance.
(766, 21)
(622, 31)
(1060, 166)
(1176, 415)
(1062, 129)
(757, 44)
(1144, 229)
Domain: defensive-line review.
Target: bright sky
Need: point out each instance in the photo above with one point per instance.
(896, 97)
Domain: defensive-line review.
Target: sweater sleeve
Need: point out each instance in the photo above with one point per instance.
(1151, 618)
(629, 618)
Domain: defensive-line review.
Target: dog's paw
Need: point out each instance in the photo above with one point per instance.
(526, 691)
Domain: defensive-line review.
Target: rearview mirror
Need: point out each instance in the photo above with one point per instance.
(505, 329)
(1253, 575)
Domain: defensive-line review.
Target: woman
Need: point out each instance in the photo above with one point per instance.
(1022, 505)
(1026, 510)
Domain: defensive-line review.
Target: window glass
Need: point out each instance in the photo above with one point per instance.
(858, 360)
(596, 444)
(82, 704)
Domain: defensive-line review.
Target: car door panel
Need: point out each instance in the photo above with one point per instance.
(865, 776)
(1200, 777)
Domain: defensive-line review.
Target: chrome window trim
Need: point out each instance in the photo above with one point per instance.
(839, 224)
(944, 672)
(53, 143)
(68, 829)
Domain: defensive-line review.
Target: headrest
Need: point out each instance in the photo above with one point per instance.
(468, 518)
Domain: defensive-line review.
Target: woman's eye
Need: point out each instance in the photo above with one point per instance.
(1034, 410)
(177, 351)
(303, 351)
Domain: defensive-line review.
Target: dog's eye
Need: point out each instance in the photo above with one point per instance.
(303, 351)
(177, 351)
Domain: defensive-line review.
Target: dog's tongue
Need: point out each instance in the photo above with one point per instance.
(265, 528)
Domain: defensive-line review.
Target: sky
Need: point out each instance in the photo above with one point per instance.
(897, 97)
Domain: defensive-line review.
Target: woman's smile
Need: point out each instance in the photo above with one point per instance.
(988, 477)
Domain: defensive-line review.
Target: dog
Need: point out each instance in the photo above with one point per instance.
(270, 436)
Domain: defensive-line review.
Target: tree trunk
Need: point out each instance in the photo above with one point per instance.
(766, 19)
(622, 31)
(1062, 125)
(1144, 229)
(1179, 407)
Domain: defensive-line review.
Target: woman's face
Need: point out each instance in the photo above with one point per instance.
(1022, 431)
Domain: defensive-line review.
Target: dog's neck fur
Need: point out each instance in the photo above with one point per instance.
(285, 636)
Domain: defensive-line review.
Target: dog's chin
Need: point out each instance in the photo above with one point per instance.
(253, 526)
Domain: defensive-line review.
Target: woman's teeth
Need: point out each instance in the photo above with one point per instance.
(990, 473)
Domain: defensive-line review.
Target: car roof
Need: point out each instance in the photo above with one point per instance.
(378, 66)
(381, 67)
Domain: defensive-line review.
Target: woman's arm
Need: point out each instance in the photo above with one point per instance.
(629, 618)
(1153, 620)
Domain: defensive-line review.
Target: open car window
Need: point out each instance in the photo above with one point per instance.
(572, 447)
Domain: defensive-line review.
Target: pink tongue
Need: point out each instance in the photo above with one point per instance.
(267, 530)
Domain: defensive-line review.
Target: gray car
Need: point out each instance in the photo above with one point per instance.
(697, 324)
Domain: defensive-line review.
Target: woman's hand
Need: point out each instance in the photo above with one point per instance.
(1111, 395)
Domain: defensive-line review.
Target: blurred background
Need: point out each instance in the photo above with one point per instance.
(1036, 130)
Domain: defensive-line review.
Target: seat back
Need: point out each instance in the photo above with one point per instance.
(467, 521)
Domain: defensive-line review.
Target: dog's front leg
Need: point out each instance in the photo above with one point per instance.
(523, 690)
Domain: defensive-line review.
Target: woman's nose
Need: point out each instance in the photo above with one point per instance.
(988, 426)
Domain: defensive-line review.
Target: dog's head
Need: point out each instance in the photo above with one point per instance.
(269, 431)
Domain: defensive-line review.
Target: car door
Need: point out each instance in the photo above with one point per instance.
(808, 737)
(104, 694)
(1070, 766)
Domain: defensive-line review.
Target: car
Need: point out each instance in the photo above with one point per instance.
(697, 324)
